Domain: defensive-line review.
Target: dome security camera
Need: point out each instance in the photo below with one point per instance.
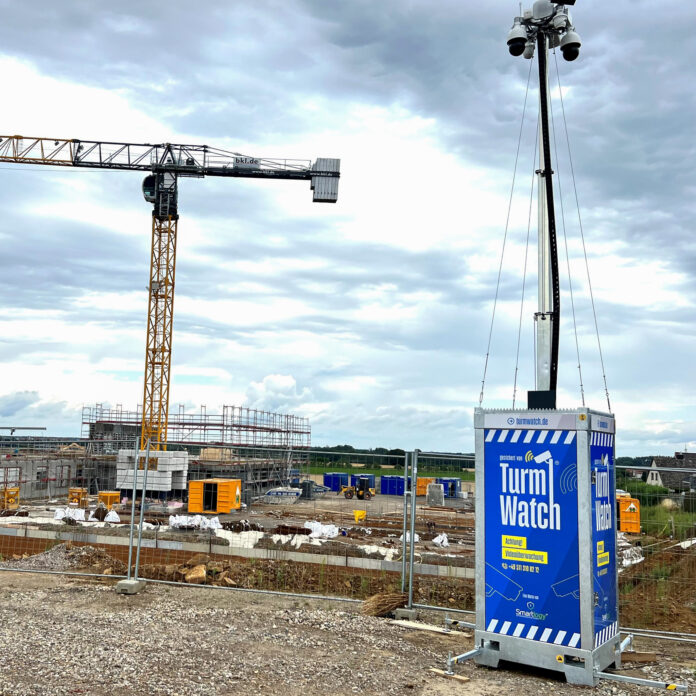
(517, 38)
(570, 45)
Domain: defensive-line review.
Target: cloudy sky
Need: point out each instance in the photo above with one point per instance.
(370, 317)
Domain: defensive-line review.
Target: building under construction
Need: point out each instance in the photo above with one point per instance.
(259, 447)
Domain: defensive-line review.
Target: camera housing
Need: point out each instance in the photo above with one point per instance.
(570, 45)
(529, 49)
(517, 39)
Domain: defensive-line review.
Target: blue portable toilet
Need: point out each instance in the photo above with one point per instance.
(334, 480)
(452, 486)
(385, 485)
(399, 485)
(354, 479)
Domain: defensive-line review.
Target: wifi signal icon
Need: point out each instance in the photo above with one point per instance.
(569, 479)
(529, 456)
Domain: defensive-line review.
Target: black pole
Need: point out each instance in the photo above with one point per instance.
(548, 180)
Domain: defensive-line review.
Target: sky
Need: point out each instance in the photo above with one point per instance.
(370, 317)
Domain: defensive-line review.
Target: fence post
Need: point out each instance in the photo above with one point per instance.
(407, 456)
(142, 508)
(132, 519)
(414, 475)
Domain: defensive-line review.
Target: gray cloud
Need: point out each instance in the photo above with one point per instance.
(246, 71)
(12, 404)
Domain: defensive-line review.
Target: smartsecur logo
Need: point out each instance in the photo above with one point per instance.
(530, 615)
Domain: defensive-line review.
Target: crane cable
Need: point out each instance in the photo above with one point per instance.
(507, 225)
(524, 272)
(567, 255)
(582, 236)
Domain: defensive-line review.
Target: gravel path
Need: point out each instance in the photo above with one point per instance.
(63, 636)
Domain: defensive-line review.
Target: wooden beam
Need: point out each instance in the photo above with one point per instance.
(641, 657)
(428, 627)
(442, 673)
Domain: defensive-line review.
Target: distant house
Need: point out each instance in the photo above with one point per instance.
(675, 481)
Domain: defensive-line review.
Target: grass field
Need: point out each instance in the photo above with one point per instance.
(464, 475)
(657, 520)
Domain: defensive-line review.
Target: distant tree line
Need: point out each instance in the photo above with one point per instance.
(382, 456)
(634, 461)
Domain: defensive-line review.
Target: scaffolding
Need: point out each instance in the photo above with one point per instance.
(259, 469)
(236, 426)
(262, 448)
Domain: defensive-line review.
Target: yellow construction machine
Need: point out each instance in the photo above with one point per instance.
(361, 490)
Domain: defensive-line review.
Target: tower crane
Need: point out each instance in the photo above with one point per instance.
(165, 163)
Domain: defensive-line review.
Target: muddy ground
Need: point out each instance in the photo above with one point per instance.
(61, 636)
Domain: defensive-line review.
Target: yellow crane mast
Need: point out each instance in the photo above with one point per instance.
(159, 189)
(165, 164)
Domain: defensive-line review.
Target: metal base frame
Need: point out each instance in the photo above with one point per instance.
(580, 667)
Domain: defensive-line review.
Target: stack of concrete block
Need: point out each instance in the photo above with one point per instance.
(171, 472)
(435, 496)
(180, 479)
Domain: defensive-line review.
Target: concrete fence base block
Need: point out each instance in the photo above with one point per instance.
(130, 587)
(407, 614)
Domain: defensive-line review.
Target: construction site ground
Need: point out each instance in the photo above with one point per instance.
(658, 593)
(382, 525)
(63, 636)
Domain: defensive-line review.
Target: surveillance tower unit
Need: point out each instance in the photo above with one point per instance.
(546, 575)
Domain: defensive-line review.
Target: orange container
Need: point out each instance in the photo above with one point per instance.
(629, 515)
(215, 496)
(422, 483)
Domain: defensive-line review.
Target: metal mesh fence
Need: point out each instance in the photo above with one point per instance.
(656, 551)
(48, 487)
(657, 569)
(304, 523)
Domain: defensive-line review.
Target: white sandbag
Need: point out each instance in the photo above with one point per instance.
(416, 538)
(321, 531)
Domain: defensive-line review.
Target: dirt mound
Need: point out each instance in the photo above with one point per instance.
(67, 557)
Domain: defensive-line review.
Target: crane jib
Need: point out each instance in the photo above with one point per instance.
(183, 160)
